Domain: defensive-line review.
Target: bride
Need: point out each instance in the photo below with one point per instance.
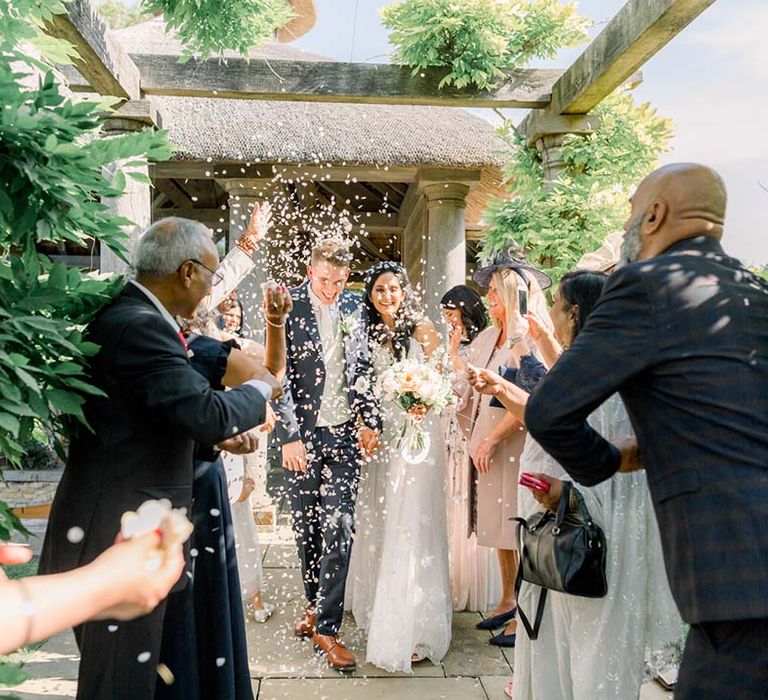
(398, 587)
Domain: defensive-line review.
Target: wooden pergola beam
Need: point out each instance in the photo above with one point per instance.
(101, 60)
(331, 81)
(637, 31)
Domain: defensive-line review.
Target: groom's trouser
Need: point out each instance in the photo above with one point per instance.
(323, 509)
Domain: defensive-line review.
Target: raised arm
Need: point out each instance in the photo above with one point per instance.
(239, 261)
(277, 305)
(118, 584)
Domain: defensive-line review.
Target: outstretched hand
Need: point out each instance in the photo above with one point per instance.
(485, 381)
(277, 303)
(141, 573)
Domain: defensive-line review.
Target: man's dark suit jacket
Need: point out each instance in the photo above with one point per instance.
(141, 446)
(683, 338)
(298, 406)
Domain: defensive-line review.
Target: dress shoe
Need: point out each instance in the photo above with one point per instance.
(503, 640)
(336, 654)
(305, 625)
(493, 623)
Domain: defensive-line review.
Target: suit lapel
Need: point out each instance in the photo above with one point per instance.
(306, 315)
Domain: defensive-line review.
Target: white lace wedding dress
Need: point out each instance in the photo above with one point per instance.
(398, 587)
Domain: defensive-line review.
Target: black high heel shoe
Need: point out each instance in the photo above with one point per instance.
(503, 640)
(493, 623)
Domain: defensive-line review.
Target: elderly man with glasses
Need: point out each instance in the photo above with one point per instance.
(142, 432)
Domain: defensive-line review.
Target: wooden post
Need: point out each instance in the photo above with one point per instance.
(445, 252)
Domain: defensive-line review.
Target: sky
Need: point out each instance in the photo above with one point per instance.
(712, 80)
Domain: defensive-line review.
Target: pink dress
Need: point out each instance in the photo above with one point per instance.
(495, 491)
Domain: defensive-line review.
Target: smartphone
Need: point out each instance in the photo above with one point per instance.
(533, 482)
(522, 298)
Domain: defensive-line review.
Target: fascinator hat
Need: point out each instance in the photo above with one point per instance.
(508, 260)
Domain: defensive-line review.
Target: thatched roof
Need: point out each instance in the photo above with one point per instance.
(301, 132)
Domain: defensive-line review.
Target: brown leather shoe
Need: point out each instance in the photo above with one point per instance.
(305, 625)
(336, 654)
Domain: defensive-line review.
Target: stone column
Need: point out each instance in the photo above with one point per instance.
(550, 147)
(134, 204)
(445, 250)
(547, 131)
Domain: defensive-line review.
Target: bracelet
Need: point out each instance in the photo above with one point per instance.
(275, 325)
(28, 610)
(246, 248)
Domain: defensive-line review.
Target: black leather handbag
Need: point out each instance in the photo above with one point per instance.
(563, 551)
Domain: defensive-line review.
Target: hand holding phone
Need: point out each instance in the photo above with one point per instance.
(533, 482)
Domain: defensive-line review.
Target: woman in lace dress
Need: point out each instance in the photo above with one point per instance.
(398, 587)
(475, 578)
(594, 649)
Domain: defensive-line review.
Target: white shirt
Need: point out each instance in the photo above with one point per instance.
(334, 403)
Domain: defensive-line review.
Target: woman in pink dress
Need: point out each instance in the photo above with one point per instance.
(495, 437)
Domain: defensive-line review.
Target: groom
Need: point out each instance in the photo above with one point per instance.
(327, 420)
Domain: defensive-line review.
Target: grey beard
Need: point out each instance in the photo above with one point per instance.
(630, 245)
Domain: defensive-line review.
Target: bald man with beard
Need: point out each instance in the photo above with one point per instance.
(681, 332)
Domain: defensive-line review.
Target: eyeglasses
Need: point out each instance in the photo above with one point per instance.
(216, 277)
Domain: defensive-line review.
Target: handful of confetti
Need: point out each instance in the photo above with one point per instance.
(171, 523)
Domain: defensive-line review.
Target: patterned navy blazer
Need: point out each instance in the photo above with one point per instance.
(683, 338)
(299, 404)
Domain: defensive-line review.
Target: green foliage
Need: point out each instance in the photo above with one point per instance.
(52, 180)
(556, 226)
(478, 39)
(208, 27)
(9, 523)
(10, 674)
(117, 14)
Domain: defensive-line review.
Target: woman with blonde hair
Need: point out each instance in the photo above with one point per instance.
(495, 437)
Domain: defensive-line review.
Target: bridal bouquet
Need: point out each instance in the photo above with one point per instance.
(417, 387)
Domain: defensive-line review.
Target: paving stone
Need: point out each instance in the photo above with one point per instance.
(653, 691)
(49, 688)
(470, 654)
(373, 689)
(281, 556)
(274, 652)
(494, 686)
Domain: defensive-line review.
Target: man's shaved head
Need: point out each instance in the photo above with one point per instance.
(677, 201)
